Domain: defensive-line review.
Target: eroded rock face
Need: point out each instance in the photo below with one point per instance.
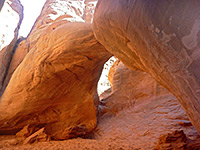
(156, 38)
(54, 75)
(11, 17)
(56, 12)
(139, 109)
(176, 140)
(64, 10)
(55, 85)
(127, 87)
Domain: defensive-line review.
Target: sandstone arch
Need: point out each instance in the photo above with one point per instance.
(159, 37)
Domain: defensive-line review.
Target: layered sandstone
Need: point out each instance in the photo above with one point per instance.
(176, 140)
(55, 85)
(11, 17)
(52, 78)
(56, 12)
(160, 38)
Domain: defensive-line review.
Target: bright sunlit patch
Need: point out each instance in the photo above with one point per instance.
(103, 83)
(7, 27)
(32, 10)
(73, 10)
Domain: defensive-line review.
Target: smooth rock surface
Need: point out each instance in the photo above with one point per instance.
(55, 85)
(56, 12)
(127, 87)
(54, 73)
(11, 17)
(160, 38)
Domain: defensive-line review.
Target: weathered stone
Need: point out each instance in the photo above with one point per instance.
(12, 11)
(21, 49)
(160, 38)
(53, 75)
(54, 11)
(39, 136)
(176, 140)
(26, 131)
(138, 109)
(127, 87)
(55, 84)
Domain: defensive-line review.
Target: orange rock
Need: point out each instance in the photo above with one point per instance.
(137, 110)
(55, 84)
(128, 87)
(54, 73)
(160, 38)
(12, 11)
(172, 141)
(22, 48)
(56, 12)
(39, 136)
(26, 131)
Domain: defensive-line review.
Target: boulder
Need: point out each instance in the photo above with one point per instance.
(176, 140)
(55, 85)
(12, 11)
(160, 38)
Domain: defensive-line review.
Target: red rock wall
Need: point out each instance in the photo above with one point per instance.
(137, 110)
(11, 17)
(158, 37)
(57, 12)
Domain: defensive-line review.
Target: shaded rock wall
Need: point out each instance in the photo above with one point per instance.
(158, 37)
(11, 17)
(128, 86)
(1, 4)
(138, 109)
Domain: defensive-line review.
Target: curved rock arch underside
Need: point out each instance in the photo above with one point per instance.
(158, 37)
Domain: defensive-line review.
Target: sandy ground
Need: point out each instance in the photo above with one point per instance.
(74, 144)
